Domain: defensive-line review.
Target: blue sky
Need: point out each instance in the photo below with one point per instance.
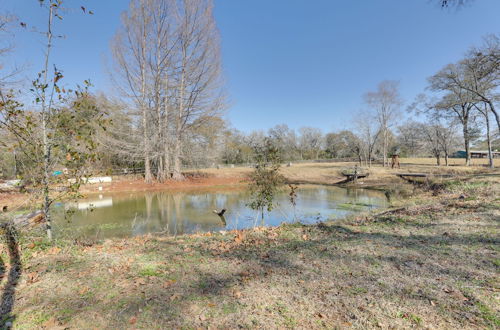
(299, 62)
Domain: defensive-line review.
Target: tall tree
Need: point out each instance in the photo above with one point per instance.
(311, 142)
(485, 111)
(409, 139)
(369, 134)
(482, 73)
(168, 62)
(456, 101)
(131, 49)
(386, 102)
(198, 76)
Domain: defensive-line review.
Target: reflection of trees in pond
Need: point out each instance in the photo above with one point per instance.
(188, 212)
(179, 218)
(163, 211)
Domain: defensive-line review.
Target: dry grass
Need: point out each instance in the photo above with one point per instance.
(432, 262)
(330, 173)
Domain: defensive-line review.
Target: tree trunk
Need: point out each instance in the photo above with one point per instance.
(177, 174)
(46, 145)
(148, 178)
(466, 142)
(166, 149)
(488, 139)
(446, 157)
(161, 173)
(160, 176)
(384, 147)
(495, 113)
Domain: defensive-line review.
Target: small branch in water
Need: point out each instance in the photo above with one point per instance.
(221, 215)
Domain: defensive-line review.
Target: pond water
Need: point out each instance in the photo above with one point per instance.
(186, 212)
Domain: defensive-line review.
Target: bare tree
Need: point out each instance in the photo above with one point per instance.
(430, 135)
(409, 138)
(446, 138)
(6, 75)
(311, 142)
(285, 140)
(131, 49)
(386, 102)
(485, 111)
(453, 3)
(482, 73)
(343, 144)
(198, 75)
(369, 133)
(456, 102)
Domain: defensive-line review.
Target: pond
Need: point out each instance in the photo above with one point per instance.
(175, 213)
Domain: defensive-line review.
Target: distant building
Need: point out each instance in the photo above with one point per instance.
(484, 154)
(477, 154)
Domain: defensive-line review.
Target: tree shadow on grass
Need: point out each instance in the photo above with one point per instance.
(14, 273)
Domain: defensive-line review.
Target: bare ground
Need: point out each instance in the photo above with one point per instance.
(432, 261)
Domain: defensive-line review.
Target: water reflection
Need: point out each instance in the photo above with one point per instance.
(175, 213)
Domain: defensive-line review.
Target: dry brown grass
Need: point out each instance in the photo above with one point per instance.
(431, 264)
(330, 173)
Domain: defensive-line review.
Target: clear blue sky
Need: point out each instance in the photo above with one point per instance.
(299, 62)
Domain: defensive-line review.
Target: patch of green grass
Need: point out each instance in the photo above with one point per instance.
(40, 317)
(357, 290)
(488, 315)
(229, 308)
(150, 270)
(390, 220)
(415, 319)
(458, 185)
(282, 310)
(353, 206)
(66, 314)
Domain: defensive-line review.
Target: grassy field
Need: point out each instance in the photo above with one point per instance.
(330, 173)
(430, 261)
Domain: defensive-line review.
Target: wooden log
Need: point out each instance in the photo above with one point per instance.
(419, 175)
(27, 220)
(353, 177)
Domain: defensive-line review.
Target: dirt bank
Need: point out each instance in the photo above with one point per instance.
(125, 184)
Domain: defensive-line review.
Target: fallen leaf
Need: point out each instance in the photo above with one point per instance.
(244, 273)
(54, 250)
(132, 320)
(33, 277)
(50, 323)
(305, 237)
(31, 245)
(240, 236)
(168, 283)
